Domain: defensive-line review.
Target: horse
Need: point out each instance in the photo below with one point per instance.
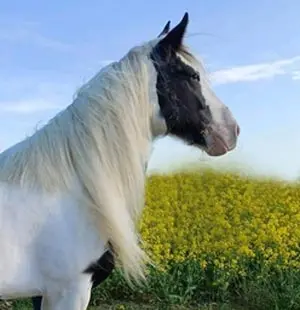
(87, 163)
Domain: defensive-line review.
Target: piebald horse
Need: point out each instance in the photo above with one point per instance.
(74, 190)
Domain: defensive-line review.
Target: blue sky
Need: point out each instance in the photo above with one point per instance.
(250, 48)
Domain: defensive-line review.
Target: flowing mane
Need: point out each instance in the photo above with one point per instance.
(102, 142)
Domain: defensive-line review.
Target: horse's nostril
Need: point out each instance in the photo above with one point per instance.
(238, 130)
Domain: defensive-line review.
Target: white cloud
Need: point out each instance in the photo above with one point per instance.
(259, 71)
(296, 75)
(28, 106)
(43, 91)
(28, 33)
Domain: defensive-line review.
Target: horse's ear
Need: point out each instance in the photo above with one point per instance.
(173, 40)
(166, 29)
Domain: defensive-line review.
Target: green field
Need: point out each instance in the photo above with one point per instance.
(219, 241)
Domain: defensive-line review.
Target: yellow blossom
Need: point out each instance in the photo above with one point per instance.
(224, 219)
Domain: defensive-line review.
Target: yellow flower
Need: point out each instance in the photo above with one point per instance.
(220, 219)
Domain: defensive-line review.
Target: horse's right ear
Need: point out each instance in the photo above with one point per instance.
(166, 29)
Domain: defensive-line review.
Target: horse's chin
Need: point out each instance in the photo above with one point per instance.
(213, 151)
(215, 145)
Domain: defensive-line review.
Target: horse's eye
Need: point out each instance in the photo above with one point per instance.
(196, 77)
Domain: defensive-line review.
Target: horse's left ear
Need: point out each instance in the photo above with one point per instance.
(166, 29)
(173, 40)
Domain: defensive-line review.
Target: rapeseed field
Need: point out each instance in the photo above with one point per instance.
(218, 241)
(223, 219)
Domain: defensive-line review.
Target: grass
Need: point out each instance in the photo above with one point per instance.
(133, 306)
(186, 286)
(125, 306)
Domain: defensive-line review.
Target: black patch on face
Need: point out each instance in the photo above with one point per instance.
(178, 88)
(180, 98)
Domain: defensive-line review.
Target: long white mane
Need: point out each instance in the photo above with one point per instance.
(100, 143)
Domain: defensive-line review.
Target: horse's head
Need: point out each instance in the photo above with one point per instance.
(189, 109)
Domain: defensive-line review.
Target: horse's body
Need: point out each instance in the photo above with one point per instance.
(78, 183)
(39, 251)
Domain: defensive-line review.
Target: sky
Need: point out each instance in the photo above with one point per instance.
(251, 50)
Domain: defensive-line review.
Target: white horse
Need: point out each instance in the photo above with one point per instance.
(78, 183)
